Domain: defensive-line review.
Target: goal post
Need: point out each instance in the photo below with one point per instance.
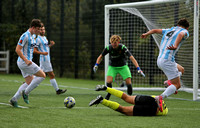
(130, 20)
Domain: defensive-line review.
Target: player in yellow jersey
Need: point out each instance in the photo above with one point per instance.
(142, 105)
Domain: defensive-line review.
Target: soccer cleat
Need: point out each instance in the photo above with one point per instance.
(25, 97)
(100, 87)
(60, 91)
(96, 101)
(159, 101)
(14, 103)
(129, 89)
(167, 83)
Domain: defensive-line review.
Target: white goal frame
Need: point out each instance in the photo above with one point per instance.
(195, 89)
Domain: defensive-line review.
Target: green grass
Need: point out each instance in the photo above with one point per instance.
(46, 109)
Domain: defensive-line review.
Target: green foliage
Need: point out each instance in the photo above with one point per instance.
(9, 33)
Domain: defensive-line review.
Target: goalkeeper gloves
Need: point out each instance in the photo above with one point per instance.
(95, 67)
(140, 71)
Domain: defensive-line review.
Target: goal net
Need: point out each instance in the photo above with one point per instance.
(130, 20)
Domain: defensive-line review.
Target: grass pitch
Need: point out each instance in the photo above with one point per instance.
(46, 109)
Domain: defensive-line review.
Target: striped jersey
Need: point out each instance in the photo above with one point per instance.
(27, 42)
(168, 39)
(42, 45)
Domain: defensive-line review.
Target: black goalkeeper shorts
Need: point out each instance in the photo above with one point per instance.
(145, 106)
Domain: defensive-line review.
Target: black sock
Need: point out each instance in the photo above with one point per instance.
(129, 89)
(107, 97)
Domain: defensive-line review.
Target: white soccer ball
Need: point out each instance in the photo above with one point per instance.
(69, 102)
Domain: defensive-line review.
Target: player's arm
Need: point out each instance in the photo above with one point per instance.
(38, 52)
(177, 42)
(153, 31)
(99, 59)
(51, 43)
(20, 54)
(136, 65)
(133, 60)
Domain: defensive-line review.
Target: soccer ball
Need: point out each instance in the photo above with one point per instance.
(69, 102)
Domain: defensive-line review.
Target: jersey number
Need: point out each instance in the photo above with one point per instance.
(169, 34)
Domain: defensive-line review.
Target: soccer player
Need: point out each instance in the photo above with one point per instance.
(117, 63)
(142, 105)
(43, 48)
(24, 50)
(171, 41)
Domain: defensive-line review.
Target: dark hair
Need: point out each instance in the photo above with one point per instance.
(183, 22)
(35, 23)
(42, 25)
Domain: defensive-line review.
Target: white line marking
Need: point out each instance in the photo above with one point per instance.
(16, 81)
(11, 105)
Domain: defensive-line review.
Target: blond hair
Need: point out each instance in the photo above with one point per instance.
(115, 38)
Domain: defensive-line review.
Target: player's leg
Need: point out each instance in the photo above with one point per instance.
(28, 79)
(111, 74)
(181, 72)
(15, 98)
(126, 75)
(54, 83)
(53, 80)
(113, 105)
(171, 71)
(39, 77)
(175, 85)
(109, 84)
(180, 69)
(129, 86)
(117, 93)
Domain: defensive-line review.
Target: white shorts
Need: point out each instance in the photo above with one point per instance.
(28, 70)
(46, 66)
(169, 68)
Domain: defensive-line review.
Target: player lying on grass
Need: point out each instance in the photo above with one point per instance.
(118, 62)
(142, 105)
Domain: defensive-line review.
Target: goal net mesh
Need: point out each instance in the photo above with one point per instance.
(130, 22)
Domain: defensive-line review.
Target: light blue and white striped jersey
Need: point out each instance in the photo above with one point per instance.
(42, 45)
(27, 42)
(168, 39)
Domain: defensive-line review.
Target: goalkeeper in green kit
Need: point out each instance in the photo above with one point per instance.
(118, 63)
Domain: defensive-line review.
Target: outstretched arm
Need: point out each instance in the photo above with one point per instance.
(136, 65)
(99, 59)
(158, 31)
(134, 61)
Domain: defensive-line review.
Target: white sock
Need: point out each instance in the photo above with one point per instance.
(170, 90)
(18, 93)
(54, 84)
(34, 83)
